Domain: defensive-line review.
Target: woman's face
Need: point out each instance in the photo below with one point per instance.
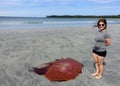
(101, 26)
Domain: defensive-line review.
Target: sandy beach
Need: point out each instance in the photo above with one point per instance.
(20, 49)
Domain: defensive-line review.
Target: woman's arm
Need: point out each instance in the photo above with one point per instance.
(108, 41)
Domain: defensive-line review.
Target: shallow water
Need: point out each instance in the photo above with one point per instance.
(43, 22)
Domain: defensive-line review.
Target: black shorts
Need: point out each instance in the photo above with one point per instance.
(100, 53)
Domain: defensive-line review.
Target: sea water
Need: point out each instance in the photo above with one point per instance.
(43, 22)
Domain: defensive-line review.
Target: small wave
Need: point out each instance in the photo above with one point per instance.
(33, 22)
(114, 22)
(3, 25)
(69, 22)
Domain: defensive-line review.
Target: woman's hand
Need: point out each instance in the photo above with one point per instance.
(108, 41)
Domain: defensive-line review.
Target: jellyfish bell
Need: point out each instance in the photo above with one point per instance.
(60, 69)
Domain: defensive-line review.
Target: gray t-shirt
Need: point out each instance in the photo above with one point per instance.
(100, 40)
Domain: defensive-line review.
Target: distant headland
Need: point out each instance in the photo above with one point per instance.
(83, 16)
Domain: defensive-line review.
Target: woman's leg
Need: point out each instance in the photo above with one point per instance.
(95, 58)
(101, 67)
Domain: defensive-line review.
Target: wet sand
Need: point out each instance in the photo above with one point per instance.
(20, 49)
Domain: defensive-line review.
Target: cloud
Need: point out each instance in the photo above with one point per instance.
(110, 7)
(30, 2)
(102, 1)
(49, 7)
(7, 3)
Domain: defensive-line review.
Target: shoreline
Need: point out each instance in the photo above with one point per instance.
(59, 27)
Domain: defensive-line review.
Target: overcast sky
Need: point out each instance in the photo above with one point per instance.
(41, 8)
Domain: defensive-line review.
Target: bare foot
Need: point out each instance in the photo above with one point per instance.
(98, 77)
(94, 74)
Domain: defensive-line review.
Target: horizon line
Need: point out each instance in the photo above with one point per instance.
(61, 15)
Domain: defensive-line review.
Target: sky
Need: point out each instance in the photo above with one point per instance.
(42, 8)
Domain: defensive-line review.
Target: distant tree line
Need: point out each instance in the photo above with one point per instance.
(83, 16)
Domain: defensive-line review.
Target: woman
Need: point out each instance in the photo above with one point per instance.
(103, 39)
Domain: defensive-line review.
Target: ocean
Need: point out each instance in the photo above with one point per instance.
(43, 22)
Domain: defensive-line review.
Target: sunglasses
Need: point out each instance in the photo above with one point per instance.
(101, 25)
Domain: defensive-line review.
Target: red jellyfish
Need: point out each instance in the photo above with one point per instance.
(59, 70)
